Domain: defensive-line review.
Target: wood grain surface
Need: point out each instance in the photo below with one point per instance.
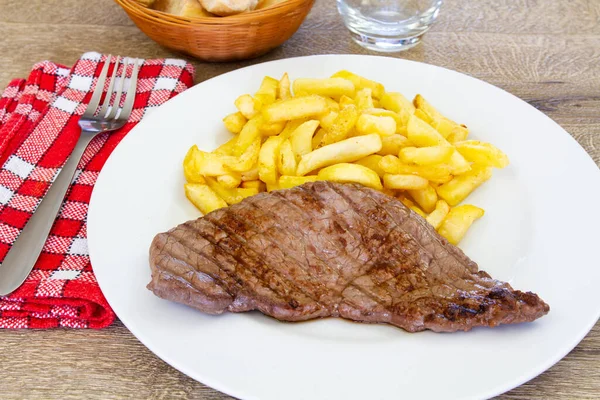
(546, 52)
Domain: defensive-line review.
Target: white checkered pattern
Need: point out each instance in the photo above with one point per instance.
(61, 274)
(176, 62)
(79, 247)
(165, 83)
(5, 195)
(83, 83)
(65, 104)
(19, 167)
(92, 56)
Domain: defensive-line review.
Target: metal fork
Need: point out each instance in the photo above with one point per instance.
(21, 258)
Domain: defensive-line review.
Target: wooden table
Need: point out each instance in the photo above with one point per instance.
(545, 52)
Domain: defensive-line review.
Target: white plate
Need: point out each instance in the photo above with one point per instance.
(539, 233)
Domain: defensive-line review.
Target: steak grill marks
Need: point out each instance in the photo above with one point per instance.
(327, 249)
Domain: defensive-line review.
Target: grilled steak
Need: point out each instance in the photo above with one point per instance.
(331, 250)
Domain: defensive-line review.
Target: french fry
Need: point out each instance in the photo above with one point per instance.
(248, 106)
(437, 216)
(389, 192)
(353, 133)
(230, 181)
(203, 197)
(200, 163)
(192, 177)
(286, 161)
(290, 127)
(318, 137)
(458, 221)
(381, 112)
(267, 160)
(301, 138)
(372, 162)
(426, 155)
(242, 193)
(421, 134)
(272, 186)
(288, 182)
(284, 92)
(347, 150)
(246, 161)
(423, 115)
(396, 102)
(332, 105)
(295, 108)
(328, 119)
(251, 175)
(458, 164)
(345, 172)
(267, 93)
(405, 200)
(481, 153)
(404, 182)
(409, 203)
(461, 186)
(257, 184)
(426, 198)
(235, 122)
(422, 104)
(391, 164)
(418, 211)
(345, 101)
(190, 167)
(231, 196)
(391, 145)
(458, 134)
(341, 126)
(360, 82)
(367, 123)
(227, 148)
(363, 99)
(435, 173)
(271, 129)
(445, 126)
(330, 87)
(249, 133)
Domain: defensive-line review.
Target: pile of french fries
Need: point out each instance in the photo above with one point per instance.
(345, 128)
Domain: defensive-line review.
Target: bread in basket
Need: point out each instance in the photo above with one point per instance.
(212, 38)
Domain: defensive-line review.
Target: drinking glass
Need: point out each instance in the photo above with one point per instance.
(388, 25)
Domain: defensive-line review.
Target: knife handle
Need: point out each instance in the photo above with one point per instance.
(23, 254)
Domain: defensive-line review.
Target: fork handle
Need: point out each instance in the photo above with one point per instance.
(21, 258)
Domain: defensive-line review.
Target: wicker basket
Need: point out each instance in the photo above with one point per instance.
(232, 38)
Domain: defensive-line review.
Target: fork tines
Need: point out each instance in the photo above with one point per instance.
(117, 86)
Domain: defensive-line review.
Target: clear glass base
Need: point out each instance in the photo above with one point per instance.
(386, 44)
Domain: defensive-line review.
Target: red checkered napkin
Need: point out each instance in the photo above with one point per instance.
(38, 131)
